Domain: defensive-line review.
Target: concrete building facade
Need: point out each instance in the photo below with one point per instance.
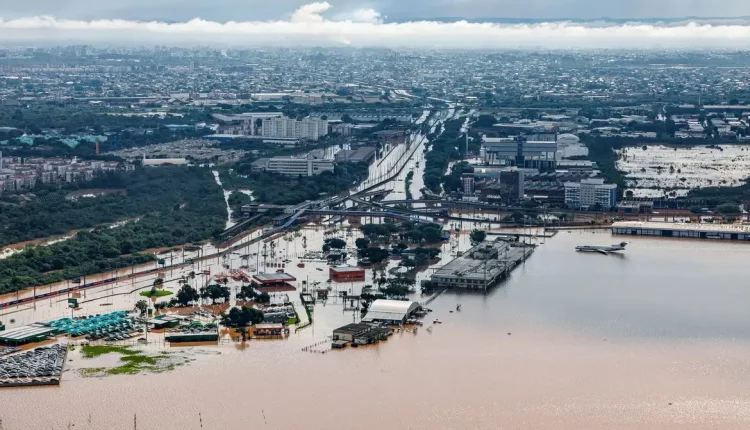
(519, 152)
(289, 128)
(299, 166)
(590, 192)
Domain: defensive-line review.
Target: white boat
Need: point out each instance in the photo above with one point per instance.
(602, 249)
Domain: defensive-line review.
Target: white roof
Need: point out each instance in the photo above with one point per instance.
(709, 228)
(390, 310)
(158, 161)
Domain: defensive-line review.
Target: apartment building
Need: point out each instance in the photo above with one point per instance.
(289, 128)
(590, 192)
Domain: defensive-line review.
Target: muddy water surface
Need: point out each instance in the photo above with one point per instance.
(656, 338)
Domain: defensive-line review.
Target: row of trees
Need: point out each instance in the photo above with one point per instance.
(130, 195)
(406, 231)
(443, 148)
(190, 209)
(275, 188)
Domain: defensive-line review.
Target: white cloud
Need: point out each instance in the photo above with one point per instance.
(364, 27)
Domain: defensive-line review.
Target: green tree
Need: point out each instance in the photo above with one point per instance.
(241, 317)
(517, 217)
(215, 292)
(362, 243)
(142, 307)
(478, 236)
(187, 295)
(336, 243)
(246, 293)
(432, 234)
(415, 235)
(263, 298)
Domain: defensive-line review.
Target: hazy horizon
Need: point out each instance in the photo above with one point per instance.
(324, 24)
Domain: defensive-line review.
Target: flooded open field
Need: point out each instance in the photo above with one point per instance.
(661, 170)
(655, 338)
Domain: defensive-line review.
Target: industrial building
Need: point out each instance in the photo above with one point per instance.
(500, 185)
(683, 230)
(361, 334)
(274, 278)
(590, 192)
(26, 334)
(346, 273)
(519, 151)
(350, 331)
(185, 336)
(294, 166)
(481, 266)
(365, 154)
(569, 145)
(270, 329)
(291, 128)
(391, 312)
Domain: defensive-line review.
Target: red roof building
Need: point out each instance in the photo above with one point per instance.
(346, 273)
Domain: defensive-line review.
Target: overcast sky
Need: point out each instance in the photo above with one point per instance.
(224, 10)
(378, 23)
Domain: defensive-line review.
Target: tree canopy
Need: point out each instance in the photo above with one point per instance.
(188, 207)
(241, 317)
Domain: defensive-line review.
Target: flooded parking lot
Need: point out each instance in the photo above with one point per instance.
(660, 170)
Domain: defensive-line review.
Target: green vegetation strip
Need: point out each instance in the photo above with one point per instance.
(274, 188)
(157, 293)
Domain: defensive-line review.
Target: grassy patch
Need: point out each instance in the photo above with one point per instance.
(132, 361)
(91, 351)
(157, 293)
(135, 364)
(292, 321)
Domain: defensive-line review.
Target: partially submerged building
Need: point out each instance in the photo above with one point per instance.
(361, 334)
(391, 312)
(482, 266)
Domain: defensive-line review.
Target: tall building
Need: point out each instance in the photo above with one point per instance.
(589, 193)
(519, 152)
(290, 128)
(501, 185)
(467, 182)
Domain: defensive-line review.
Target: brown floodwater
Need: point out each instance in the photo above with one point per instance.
(656, 338)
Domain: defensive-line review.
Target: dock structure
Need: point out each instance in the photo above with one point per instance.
(735, 232)
(482, 266)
